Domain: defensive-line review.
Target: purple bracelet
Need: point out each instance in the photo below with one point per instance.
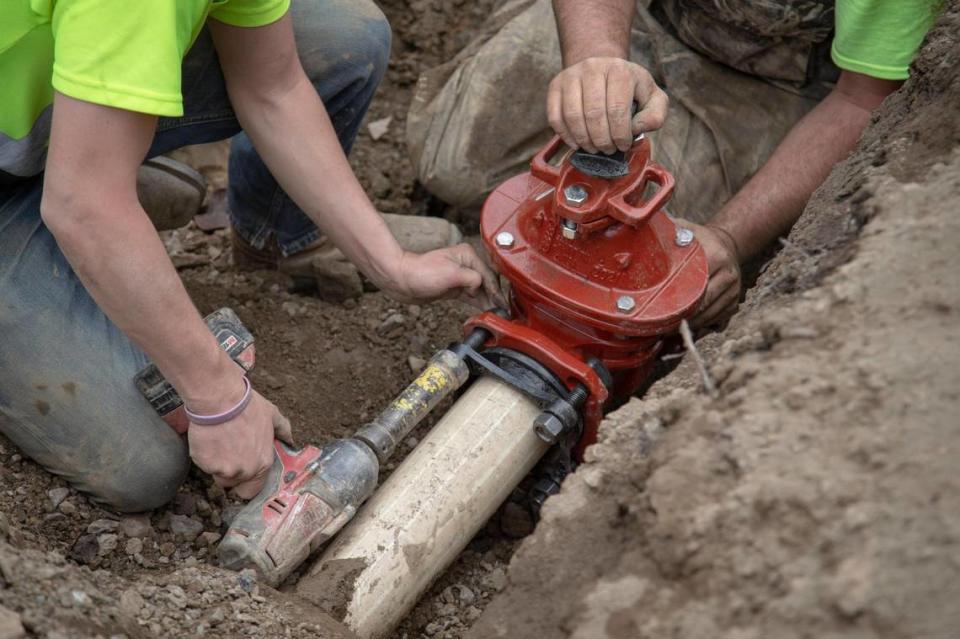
(227, 415)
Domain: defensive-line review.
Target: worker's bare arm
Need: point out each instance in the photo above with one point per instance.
(281, 112)
(90, 205)
(588, 103)
(768, 205)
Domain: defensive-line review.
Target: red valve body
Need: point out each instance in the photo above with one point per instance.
(612, 291)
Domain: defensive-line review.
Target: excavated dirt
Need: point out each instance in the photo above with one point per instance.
(818, 495)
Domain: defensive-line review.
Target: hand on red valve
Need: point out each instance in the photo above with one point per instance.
(723, 288)
(453, 272)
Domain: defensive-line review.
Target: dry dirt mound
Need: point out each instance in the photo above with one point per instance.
(819, 494)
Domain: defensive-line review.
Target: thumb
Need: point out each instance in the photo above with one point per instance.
(468, 279)
(282, 428)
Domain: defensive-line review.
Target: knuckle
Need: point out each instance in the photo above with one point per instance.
(595, 114)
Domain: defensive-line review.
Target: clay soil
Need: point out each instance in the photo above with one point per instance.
(816, 496)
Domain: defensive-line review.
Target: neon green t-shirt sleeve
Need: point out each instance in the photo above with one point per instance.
(880, 38)
(249, 13)
(123, 54)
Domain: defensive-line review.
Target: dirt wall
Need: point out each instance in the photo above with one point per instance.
(819, 494)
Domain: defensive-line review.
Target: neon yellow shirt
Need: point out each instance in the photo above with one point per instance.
(879, 38)
(120, 53)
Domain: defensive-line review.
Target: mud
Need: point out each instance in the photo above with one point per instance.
(818, 494)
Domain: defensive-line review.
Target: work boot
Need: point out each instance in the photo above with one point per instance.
(170, 192)
(321, 267)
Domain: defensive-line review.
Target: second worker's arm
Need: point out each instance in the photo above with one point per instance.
(588, 103)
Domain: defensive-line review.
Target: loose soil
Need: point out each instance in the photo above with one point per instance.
(816, 496)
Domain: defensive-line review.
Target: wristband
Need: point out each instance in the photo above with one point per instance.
(225, 416)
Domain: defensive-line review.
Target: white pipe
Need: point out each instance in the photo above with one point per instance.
(428, 510)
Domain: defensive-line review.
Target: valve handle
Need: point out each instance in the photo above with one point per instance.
(620, 209)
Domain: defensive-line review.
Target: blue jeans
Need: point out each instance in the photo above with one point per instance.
(67, 397)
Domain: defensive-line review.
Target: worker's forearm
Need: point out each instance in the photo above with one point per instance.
(121, 261)
(599, 28)
(296, 139)
(768, 205)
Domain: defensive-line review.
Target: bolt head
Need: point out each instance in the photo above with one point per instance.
(548, 427)
(504, 239)
(575, 194)
(568, 229)
(625, 303)
(684, 237)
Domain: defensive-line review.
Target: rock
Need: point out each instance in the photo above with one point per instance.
(102, 526)
(185, 528)
(415, 363)
(134, 546)
(108, 542)
(79, 598)
(378, 128)
(184, 504)
(136, 526)
(67, 508)
(168, 548)
(379, 184)
(131, 602)
(4, 526)
(209, 538)
(496, 580)
(247, 580)
(392, 326)
(473, 613)
(465, 595)
(10, 625)
(57, 495)
(290, 308)
(85, 549)
(433, 628)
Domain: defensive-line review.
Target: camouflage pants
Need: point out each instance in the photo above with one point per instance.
(479, 118)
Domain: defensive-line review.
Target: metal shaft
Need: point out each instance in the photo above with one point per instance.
(444, 373)
(424, 515)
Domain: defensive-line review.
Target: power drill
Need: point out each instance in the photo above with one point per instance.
(310, 492)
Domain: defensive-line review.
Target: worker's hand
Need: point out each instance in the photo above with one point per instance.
(447, 273)
(723, 288)
(240, 452)
(588, 104)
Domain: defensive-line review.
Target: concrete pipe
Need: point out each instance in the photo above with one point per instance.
(424, 515)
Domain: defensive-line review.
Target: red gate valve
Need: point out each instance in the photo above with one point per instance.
(596, 267)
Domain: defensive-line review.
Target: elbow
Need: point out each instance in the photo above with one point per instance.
(63, 212)
(71, 216)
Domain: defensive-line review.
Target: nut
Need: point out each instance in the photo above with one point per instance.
(548, 427)
(568, 228)
(504, 239)
(575, 194)
(684, 237)
(625, 303)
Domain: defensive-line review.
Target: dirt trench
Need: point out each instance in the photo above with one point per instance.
(818, 495)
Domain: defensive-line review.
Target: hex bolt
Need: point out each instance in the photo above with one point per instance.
(568, 228)
(504, 239)
(548, 427)
(575, 194)
(625, 303)
(684, 236)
